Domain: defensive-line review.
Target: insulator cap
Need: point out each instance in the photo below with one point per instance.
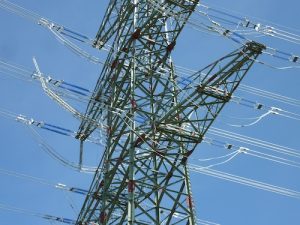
(140, 140)
(133, 104)
(136, 34)
(102, 218)
(131, 186)
(171, 46)
(114, 64)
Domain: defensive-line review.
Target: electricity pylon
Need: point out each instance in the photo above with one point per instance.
(155, 119)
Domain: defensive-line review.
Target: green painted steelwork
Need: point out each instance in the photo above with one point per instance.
(155, 121)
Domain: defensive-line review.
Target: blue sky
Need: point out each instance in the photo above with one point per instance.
(216, 200)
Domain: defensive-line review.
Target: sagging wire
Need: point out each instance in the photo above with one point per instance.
(63, 103)
(247, 152)
(43, 144)
(71, 203)
(56, 129)
(214, 158)
(46, 147)
(250, 141)
(223, 162)
(65, 88)
(58, 157)
(98, 123)
(272, 111)
(228, 157)
(74, 48)
(53, 95)
(77, 90)
(255, 142)
(55, 155)
(258, 106)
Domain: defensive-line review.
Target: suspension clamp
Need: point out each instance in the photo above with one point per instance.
(243, 150)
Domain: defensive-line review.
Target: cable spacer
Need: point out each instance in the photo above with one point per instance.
(228, 146)
(295, 58)
(259, 106)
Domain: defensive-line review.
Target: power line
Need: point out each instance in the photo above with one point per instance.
(245, 181)
(61, 32)
(81, 94)
(172, 119)
(36, 214)
(63, 187)
(42, 181)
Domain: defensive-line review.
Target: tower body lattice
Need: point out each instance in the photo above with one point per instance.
(155, 118)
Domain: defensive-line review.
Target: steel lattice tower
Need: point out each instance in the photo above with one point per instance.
(155, 119)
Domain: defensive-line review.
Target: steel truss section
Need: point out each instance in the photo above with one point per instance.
(155, 119)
